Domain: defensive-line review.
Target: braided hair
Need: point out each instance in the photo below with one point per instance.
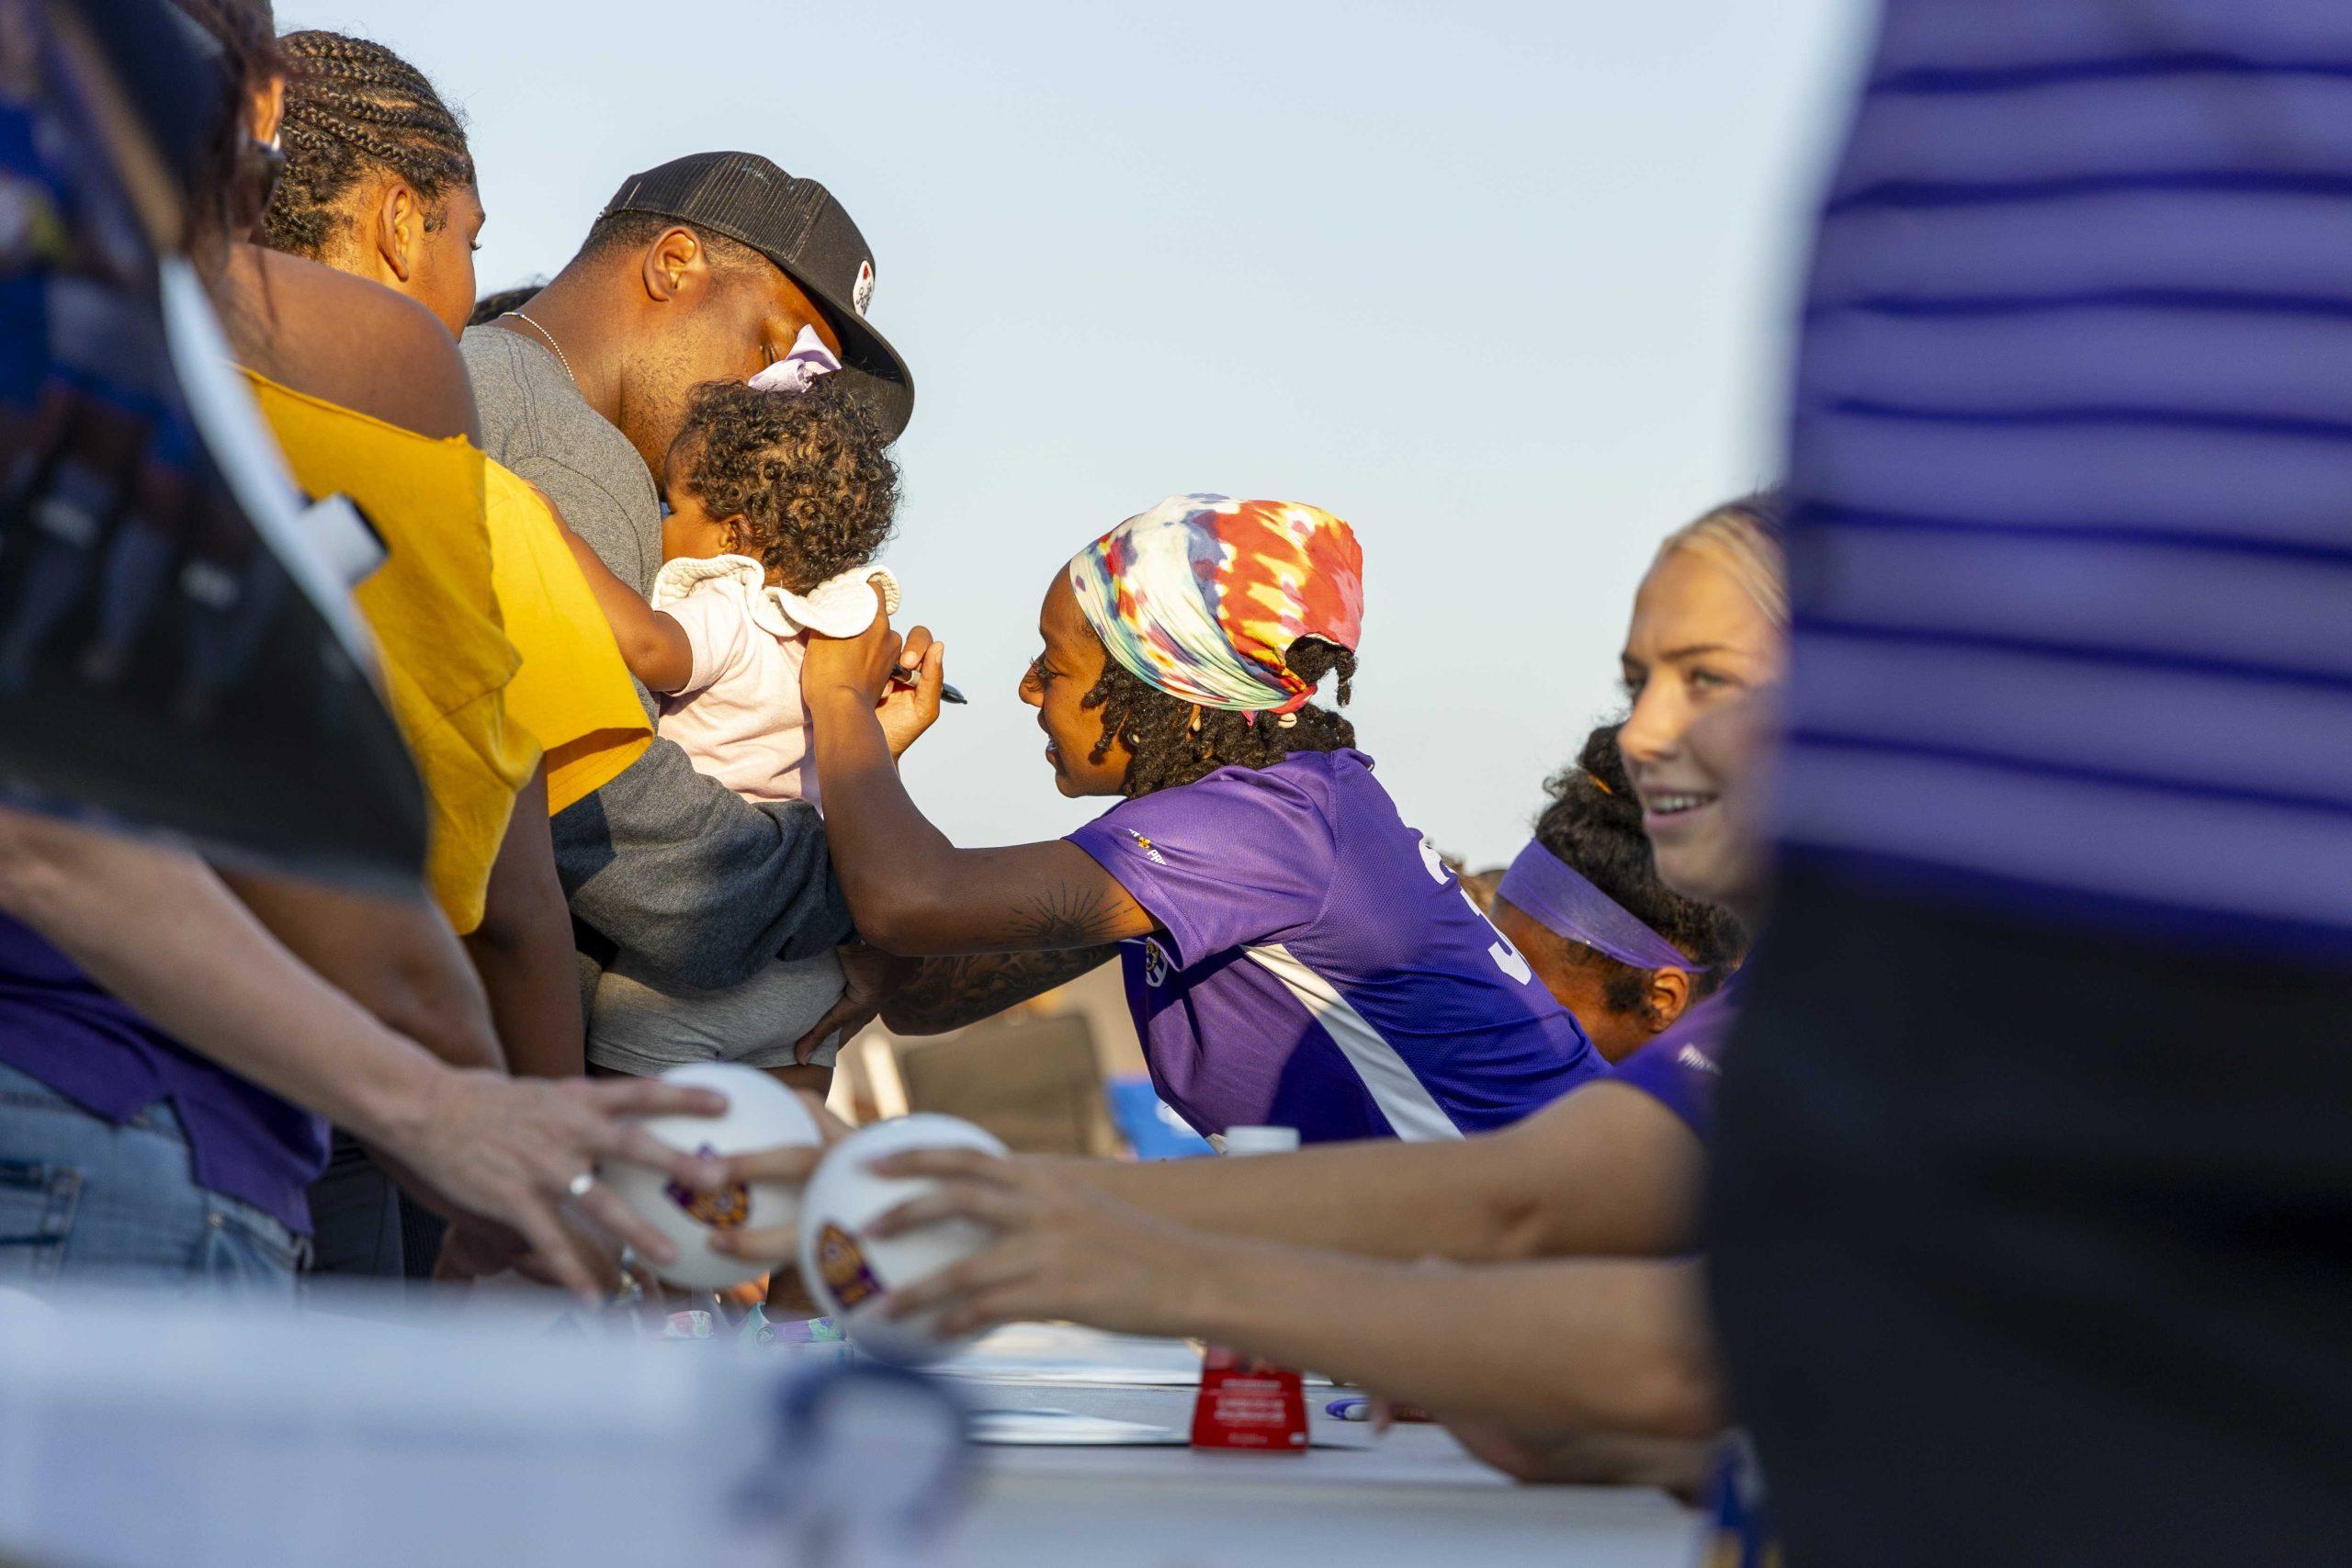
(1594, 824)
(1171, 742)
(353, 106)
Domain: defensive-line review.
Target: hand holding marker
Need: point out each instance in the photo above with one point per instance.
(903, 676)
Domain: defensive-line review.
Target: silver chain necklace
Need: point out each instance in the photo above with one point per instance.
(560, 359)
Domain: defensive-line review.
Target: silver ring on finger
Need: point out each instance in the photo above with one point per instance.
(582, 1184)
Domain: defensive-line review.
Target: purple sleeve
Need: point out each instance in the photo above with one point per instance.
(1678, 1068)
(1243, 855)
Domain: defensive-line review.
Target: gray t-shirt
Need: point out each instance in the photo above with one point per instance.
(701, 887)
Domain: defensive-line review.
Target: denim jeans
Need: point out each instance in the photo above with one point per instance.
(84, 1202)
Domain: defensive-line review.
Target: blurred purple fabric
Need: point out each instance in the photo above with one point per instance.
(2072, 474)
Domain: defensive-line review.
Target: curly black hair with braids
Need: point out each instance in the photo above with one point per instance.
(1172, 742)
(1594, 824)
(353, 106)
(805, 474)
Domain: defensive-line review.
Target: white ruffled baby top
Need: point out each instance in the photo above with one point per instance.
(739, 717)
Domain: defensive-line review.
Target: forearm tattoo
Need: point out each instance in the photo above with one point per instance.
(948, 993)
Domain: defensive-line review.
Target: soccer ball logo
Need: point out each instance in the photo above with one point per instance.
(842, 1263)
(723, 1209)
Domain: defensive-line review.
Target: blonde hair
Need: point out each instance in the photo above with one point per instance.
(1742, 536)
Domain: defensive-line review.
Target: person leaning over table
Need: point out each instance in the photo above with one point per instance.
(1294, 951)
(1559, 1233)
(1543, 1366)
(168, 1044)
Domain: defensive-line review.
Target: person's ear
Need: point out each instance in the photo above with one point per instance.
(400, 230)
(736, 533)
(675, 263)
(1668, 995)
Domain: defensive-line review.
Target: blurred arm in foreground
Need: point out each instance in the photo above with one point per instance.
(158, 929)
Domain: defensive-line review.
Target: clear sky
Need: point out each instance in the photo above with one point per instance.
(1504, 285)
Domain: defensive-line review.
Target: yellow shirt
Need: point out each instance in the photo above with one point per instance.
(573, 691)
(447, 661)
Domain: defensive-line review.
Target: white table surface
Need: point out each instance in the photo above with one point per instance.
(1412, 1497)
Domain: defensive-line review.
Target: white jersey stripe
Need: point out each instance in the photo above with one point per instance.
(1411, 1109)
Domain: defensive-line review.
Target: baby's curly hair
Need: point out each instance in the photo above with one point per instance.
(805, 474)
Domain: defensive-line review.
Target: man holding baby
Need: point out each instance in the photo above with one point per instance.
(717, 266)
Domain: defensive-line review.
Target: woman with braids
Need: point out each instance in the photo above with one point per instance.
(1621, 951)
(379, 179)
(378, 183)
(1294, 954)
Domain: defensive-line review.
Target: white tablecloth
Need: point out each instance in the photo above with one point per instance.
(1412, 1497)
(132, 1437)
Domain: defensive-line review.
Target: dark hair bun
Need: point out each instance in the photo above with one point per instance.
(1594, 824)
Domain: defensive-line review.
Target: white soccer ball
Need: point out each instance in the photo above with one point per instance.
(760, 1114)
(852, 1274)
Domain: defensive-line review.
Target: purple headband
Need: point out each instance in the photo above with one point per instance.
(1556, 896)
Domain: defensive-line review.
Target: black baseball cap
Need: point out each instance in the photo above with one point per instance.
(799, 226)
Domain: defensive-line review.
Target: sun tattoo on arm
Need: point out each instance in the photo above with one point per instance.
(1065, 916)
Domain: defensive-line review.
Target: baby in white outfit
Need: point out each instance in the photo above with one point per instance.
(779, 500)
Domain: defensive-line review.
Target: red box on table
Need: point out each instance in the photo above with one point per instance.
(1249, 1404)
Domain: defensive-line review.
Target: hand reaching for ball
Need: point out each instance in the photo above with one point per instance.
(1058, 1251)
(790, 1165)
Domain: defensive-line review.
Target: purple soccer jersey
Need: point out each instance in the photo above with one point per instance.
(1317, 966)
(1678, 1068)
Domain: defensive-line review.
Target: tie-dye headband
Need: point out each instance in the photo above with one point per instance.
(1202, 596)
(1561, 899)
